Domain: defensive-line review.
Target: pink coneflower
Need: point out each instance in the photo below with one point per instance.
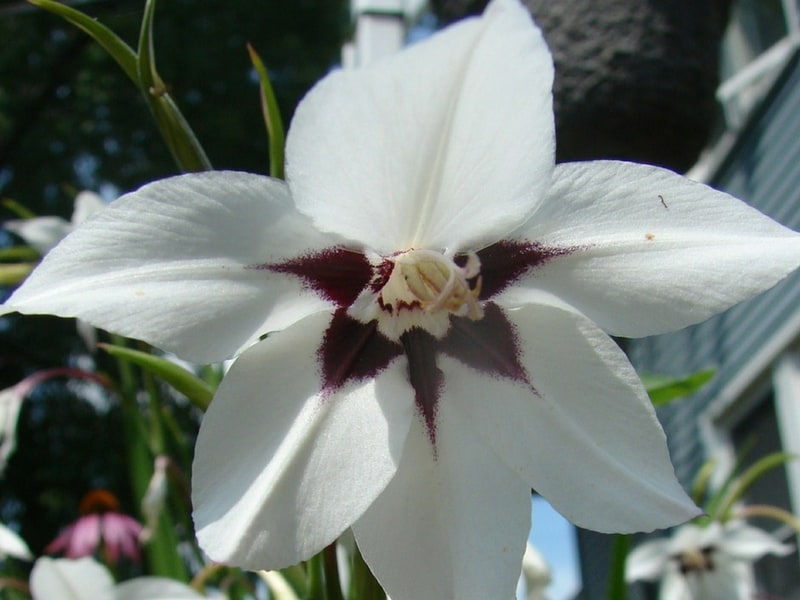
(100, 525)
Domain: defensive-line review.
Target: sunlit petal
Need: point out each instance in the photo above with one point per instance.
(11, 544)
(654, 251)
(65, 579)
(447, 144)
(281, 471)
(154, 588)
(582, 431)
(176, 264)
(451, 526)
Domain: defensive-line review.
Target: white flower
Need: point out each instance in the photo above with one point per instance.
(11, 544)
(86, 579)
(535, 573)
(704, 563)
(43, 233)
(435, 293)
(10, 405)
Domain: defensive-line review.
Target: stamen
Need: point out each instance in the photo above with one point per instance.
(439, 283)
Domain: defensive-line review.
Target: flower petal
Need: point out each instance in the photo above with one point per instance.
(653, 251)
(82, 579)
(154, 588)
(447, 144)
(647, 561)
(582, 432)
(40, 233)
(741, 541)
(280, 472)
(448, 526)
(11, 544)
(172, 264)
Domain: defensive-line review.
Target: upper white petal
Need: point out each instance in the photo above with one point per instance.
(66, 579)
(641, 266)
(448, 144)
(169, 264)
(281, 470)
(587, 439)
(450, 527)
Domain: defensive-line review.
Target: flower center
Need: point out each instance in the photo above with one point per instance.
(422, 289)
(695, 560)
(99, 501)
(434, 283)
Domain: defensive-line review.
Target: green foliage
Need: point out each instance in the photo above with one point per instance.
(664, 389)
(186, 382)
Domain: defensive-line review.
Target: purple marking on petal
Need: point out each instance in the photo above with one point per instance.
(337, 274)
(488, 345)
(506, 261)
(426, 378)
(352, 350)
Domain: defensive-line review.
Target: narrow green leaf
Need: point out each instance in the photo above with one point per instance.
(700, 483)
(14, 273)
(752, 474)
(119, 50)
(22, 211)
(772, 512)
(663, 389)
(178, 135)
(718, 497)
(363, 585)
(15, 253)
(617, 588)
(189, 384)
(272, 116)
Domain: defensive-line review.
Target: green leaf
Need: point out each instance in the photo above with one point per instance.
(23, 212)
(272, 116)
(772, 512)
(15, 253)
(12, 274)
(189, 384)
(363, 585)
(178, 135)
(663, 389)
(700, 483)
(750, 476)
(119, 50)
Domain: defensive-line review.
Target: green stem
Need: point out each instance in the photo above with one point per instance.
(363, 585)
(617, 589)
(316, 579)
(333, 587)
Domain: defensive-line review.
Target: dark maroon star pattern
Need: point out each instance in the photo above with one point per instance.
(354, 351)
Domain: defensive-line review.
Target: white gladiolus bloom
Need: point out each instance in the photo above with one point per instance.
(704, 563)
(87, 579)
(438, 296)
(11, 544)
(43, 233)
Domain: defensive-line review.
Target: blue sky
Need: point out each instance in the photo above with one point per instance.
(554, 537)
